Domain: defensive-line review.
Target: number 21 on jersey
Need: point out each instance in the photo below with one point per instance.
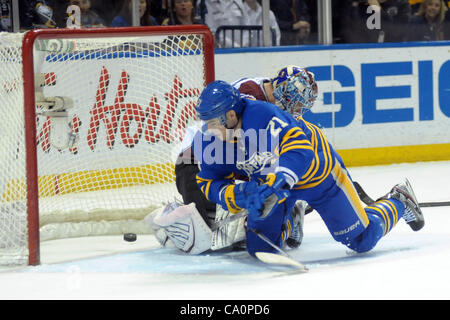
(275, 126)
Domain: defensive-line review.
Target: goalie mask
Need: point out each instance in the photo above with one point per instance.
(295, 90)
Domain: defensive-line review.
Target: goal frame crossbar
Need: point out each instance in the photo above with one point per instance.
(29, 101)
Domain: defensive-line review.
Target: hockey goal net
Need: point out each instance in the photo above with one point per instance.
(92, 120)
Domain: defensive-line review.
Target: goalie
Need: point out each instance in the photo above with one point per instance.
(294, 90)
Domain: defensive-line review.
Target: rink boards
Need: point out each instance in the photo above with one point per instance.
(378, 103)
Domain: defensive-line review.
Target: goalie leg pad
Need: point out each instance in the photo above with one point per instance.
(229, 233)
(159, 232)
(185, 228)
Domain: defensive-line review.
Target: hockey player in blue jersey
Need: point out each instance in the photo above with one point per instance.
(286, 160)
(292, 84)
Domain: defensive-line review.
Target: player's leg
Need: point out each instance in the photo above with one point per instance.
(275, 226)
(404, 193)
(349, 223)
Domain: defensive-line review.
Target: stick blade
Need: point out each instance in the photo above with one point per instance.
(273, 258)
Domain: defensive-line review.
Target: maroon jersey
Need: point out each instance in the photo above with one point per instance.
(252, 87)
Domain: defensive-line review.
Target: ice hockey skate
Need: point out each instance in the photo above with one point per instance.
(413, 214)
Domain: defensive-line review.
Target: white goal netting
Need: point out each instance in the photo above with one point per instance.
(106, 160)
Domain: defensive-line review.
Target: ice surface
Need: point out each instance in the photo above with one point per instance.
(404, 264)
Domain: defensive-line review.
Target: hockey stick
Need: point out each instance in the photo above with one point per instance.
(272, 258)
(368, 200)
(266, 257)
(362, 195)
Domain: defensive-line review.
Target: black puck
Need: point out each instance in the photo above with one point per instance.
(130, 237)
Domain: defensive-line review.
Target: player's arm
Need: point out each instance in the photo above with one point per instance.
(296, 155)
(222, 188)
(218, 187)
(295, 151)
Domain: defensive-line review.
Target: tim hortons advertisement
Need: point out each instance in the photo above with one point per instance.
(139, 106)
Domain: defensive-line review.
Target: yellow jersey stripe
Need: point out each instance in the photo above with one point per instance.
(310, 178)
(230, 200)
(296, 147)
(315, 164)
(297, 142)
(346, 185)
(199, 179)
(308, 173)
(382, 214)
(388, 218)
(393, 209)
(206, 192)
(204, 185)
(300, 143)
(230, 176)
(327, 159)
(291, 134)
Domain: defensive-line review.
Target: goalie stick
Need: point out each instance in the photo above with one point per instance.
(368, 200)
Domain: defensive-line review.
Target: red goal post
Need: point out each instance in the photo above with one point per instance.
(127, 95)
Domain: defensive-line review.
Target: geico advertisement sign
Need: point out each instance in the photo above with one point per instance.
(372, 93)
(373, 96)
(396, 99)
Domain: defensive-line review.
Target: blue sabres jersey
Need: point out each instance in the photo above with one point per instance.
(270, 140)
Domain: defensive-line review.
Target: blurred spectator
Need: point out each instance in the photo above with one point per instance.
(313, 18)
(159, 9)
(384, 21)
(429, 24)
(107, 9)
(124, 19)
(5, 16)
(415, 4)
(293, 19)
(226, 13)
(222, 13)
(338, 21)
(88, 18)
(354, 23)
(254, 13)
(181, 12)
(201, 9)
(38, 14)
